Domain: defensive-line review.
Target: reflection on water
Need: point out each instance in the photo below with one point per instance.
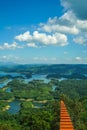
(34, 77)
(38, 77)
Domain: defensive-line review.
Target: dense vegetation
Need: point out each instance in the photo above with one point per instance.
(37, 93)
(69, 76)
(60, 69)
(4, 78)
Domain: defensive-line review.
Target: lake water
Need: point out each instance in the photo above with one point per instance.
(8, 90)
(54, 88)
(38, 77)
(14, 107)
(12, 74)
(34, 77)
(85, 75)
(4, 83)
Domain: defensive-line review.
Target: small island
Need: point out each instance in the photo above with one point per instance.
(36, 104)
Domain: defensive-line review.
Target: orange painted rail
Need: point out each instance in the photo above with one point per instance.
(65, 121)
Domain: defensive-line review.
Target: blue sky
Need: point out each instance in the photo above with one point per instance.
(43, 31)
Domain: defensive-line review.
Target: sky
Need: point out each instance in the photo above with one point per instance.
(43, 31)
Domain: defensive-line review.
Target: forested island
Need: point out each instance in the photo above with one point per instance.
(37, 90)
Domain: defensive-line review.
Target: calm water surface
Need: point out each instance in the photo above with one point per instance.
(4, 83)
(14, 107)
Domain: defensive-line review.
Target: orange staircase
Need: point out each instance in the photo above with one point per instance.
(65, 121)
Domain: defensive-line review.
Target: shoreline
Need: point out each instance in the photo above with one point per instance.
(6, 108)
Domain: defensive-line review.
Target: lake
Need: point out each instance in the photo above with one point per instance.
(38, 77)
(14, 107)
(4, 83)
(34, 77)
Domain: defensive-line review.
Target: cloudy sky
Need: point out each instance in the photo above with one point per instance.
(43, 31)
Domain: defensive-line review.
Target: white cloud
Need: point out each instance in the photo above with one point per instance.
(61, 29)
(10, 46)
(82, 24)
(14, 45)
(24, 37)
(57, 30)
(67, 24)
(4, 57)
(40, 59)
(80, 40)
(63, 24)
(43, 38)
(79, 8)
(32, 45)
(65, 52)
(45, 59)
(10, 58)
(75, 15)
(78, 58)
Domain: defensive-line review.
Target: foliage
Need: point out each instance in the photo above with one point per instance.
(46, 117)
